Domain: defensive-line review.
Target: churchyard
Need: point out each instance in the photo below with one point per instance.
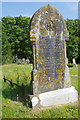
(13, 106)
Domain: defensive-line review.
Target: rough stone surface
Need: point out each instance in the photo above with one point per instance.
(27, 61)
(34, 101)
(57, 97)
(67, 77)
(19, 61)
(48, 33)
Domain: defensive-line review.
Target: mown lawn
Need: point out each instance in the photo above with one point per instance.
(14, 106)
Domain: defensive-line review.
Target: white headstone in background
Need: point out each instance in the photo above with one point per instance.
(23, 60)
(27, 61)
(74, 63)
(19, 61)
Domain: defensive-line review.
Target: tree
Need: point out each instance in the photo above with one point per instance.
(6, 46)
(72, 44)
(15, 37)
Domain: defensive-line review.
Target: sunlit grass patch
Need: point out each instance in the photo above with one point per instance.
(73, 71)
(74, 82)
(63, 111)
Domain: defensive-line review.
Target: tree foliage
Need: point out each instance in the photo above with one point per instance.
(15, 39)
(73, 43)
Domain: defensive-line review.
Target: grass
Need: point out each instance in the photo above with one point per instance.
(74, 77)
(19, 74)
(73, 71)
(14, 106)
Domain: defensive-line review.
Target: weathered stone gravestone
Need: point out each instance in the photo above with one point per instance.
(23, 61)
(19, 61)
(27, 61)
(50, 75)
(74, 63)
(16, 58)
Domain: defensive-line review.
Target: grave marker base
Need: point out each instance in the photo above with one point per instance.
(57, 97)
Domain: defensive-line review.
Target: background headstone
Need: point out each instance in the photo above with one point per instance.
(48, 33)
(16, 58)
(74, 63)
(27, 61)
(23, 61)
(19, 61)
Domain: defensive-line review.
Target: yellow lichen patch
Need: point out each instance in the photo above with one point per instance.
(32, 36)
(39, 61)
(36, 50)
(56, 81)
(60, 76)
(41, 77)
(31, 39)
(44, 75)
(45, 79)
(49, 83)
(64, 81)
(34, 80)
(37, 12)
(32, 27)
(46, 32)
(45, 8)
(37, 76)
(66, 86)
(45, 17)
(48, 23)
(36, 18)
(40, 30)
(49, 78)
(33, 32)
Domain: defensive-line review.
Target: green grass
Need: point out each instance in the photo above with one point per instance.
(73, 71)
(74, 77)
(14, 106)
(12, 71)
(19, 73)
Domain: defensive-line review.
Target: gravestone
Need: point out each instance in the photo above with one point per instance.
(16, 58)
(27, 61)
(19, 61)
(48, 33)
(23, 61)
(74, 63)
(50, 75)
